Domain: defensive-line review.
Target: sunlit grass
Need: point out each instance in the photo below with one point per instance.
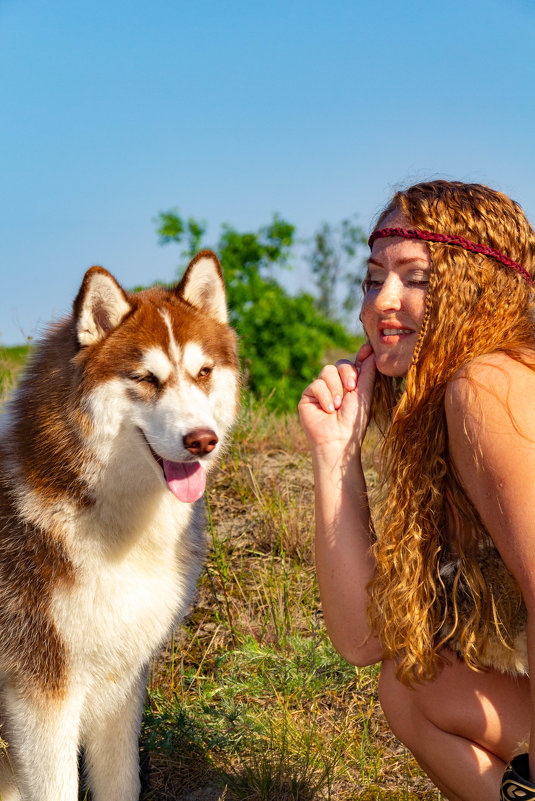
(250, 699)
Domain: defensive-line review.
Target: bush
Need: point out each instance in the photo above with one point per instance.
(283, 338)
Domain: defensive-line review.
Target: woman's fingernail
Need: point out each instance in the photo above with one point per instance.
(351, 382)
(330, 408)
(337, 401)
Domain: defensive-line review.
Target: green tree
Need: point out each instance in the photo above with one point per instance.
(172, 228)
(336, 261)
(283, 338)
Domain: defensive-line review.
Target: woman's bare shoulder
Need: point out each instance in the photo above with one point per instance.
(493, 394)
(493, 376)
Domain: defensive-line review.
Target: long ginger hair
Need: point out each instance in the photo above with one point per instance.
(474, 306)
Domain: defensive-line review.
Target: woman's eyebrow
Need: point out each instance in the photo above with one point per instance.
(404, 260)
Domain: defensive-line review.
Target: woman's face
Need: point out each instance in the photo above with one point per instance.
(393, 307)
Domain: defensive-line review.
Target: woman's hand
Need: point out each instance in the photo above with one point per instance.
(335, 408)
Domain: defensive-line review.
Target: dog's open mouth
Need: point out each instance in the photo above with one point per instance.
(186, 480)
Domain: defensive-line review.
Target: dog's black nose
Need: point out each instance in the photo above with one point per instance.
(200, 441)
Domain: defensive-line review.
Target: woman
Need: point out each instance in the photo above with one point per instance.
(442, 587)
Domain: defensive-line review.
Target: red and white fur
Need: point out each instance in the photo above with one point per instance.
(103, 452)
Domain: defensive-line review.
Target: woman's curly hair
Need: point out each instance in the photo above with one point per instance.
(474, 306)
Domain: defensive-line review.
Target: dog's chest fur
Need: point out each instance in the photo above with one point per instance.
(123, 601)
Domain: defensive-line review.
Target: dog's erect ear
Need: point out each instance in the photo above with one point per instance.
(202, 285)
(100, 305)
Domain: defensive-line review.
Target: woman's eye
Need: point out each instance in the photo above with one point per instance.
(419, 282)
(374, 278)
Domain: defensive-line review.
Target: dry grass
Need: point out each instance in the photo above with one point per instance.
(258, 703)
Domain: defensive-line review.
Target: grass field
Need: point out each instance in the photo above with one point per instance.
(249, 700)
(11, 362)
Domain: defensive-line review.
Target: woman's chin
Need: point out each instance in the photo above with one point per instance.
(395, 368)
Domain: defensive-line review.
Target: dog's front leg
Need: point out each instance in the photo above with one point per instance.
(42, 733)
(112, 743)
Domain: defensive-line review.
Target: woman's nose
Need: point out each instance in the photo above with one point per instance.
(390, 294)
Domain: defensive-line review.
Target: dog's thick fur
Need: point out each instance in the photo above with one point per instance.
(102, 458)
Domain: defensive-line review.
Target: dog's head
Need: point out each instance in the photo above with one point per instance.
(159, 370)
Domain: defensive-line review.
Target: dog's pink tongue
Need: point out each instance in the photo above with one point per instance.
(186, 480)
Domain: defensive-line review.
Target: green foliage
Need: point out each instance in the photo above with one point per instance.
(283, 338)
(336, 262)
(172, 228)
(16, 353)
(283, 342)
(12, 360)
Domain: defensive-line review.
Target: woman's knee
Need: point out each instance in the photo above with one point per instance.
(398, 703)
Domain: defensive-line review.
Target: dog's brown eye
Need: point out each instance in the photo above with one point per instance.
(205, 372)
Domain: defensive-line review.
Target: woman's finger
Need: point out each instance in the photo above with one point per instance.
(319, 392)
(366, 379)
(331, 377)
(363, 352)
(348, 374)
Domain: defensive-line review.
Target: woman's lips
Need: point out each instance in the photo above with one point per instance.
(391, 335)
(393, 332)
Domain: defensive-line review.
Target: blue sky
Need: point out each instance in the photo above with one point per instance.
(232, 110)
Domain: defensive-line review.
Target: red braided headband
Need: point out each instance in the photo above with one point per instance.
(448, 239)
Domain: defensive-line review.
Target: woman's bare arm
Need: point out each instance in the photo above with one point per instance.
(335, 412)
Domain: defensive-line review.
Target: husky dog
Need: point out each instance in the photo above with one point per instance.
(103, 455)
